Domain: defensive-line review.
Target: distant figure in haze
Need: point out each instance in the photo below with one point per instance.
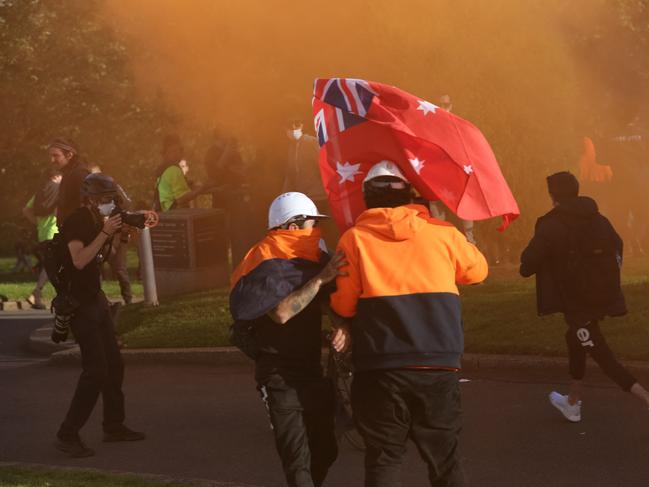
(446, 103)
(172, 190)
(303, 173)
(229, 177)
(576, 255)
(40, 210)
(64, 155)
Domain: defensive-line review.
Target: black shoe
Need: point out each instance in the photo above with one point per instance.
(73, 446)
(122, 433)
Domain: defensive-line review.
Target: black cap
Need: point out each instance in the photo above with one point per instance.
(98, 184)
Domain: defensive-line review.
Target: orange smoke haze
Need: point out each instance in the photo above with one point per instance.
(245, 64)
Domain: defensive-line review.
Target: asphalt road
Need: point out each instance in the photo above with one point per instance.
(208, 422)
(14, 331)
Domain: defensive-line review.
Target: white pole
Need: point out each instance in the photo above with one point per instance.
(148, 270)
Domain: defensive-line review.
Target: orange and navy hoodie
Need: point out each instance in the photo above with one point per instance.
(275, 267)
(401, 288)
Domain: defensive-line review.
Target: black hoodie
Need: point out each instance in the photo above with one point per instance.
(546, 256)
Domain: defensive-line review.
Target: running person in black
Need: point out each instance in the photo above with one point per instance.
(576, 255)
(88, 233)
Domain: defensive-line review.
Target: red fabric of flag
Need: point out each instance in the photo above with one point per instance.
(445, 157)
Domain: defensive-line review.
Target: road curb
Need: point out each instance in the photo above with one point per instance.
(161, 479)
(68, 353)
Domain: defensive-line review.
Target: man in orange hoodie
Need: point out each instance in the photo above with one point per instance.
(401, 295)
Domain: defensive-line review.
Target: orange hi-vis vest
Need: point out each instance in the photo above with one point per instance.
(401, 288)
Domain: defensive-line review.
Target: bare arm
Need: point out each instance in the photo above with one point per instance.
(82, 256)
(300, 299)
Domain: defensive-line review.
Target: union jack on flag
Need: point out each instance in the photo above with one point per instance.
(359, 123)
(349, 99)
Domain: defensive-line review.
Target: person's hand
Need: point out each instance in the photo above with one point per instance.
(332, 269)
(112, 224)
(341, 339)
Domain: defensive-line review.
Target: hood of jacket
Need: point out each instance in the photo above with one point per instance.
(398, 224)
(578, 208)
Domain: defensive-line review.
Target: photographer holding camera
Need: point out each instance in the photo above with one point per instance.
(88, 234)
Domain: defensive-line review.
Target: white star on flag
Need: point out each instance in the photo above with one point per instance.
(416, 164)
(347, 171)
(426, 106)
(468, 169)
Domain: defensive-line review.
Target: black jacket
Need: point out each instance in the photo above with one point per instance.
(546, 256)
(69, 198)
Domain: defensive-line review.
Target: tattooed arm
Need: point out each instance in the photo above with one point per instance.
(300, 299)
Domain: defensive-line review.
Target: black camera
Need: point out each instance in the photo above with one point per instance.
(64, 307)
(130, 218)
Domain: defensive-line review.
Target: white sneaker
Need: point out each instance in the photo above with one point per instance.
(572, 412)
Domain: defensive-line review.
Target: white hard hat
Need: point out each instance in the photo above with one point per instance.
(289, 205)
(384, 168)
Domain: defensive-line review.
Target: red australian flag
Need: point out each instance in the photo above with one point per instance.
(359, 123)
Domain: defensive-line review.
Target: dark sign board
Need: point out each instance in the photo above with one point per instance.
(170, 245)
(209, 240)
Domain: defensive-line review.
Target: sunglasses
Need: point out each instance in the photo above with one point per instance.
(388, 184)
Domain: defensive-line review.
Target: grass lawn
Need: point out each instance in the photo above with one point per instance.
(19, 286)
(500, 315)
(46, 477)
(193, 320)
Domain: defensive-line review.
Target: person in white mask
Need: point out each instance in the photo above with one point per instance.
(88, 234)
(303, 172)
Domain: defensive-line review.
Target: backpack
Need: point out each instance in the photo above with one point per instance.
(591, 273)
(242, 336)
(45, 200)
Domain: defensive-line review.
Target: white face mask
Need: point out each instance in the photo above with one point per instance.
(295, 134)
(106, 209)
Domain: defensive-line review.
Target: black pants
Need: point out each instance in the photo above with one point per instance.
(391, 406)
(302, 414)
(584, 337)
(103, 369)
